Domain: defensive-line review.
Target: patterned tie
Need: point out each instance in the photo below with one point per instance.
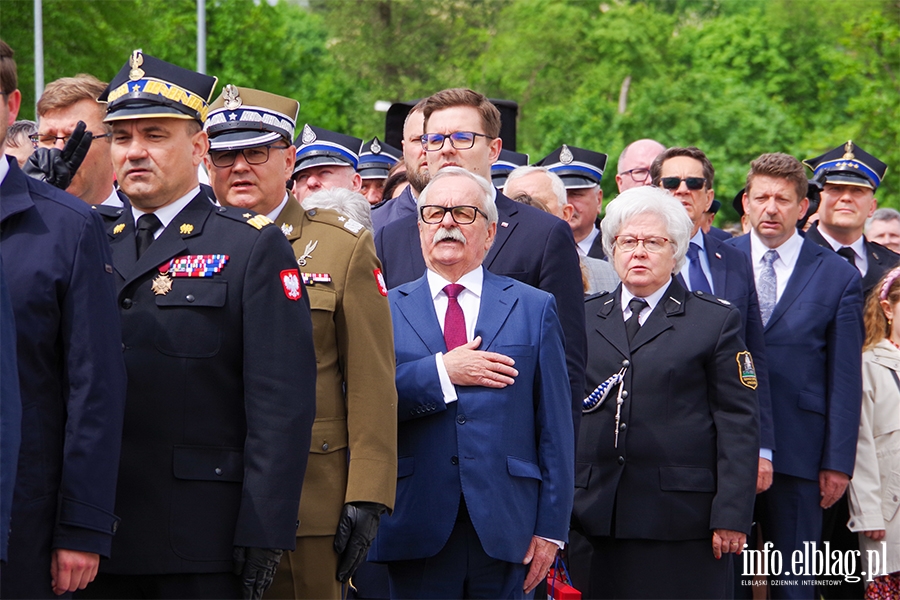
(632, 325)
(767, 286)
(146, 227)
(848, 253)
(454, 320)
(699, 283)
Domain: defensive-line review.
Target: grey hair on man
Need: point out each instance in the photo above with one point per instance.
(882, 214)
(344, 201)
(556, 184)
(487, 200)
(648, 200)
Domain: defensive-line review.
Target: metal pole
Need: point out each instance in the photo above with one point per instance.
(201, 36)
(38, 52)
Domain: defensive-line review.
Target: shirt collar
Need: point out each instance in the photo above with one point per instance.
(113, 200)
(698, 239)
(652, 300)
(859, 246)
(274, 214)
(473, 281)
(787, 251)
(4, 167)
(168, 212)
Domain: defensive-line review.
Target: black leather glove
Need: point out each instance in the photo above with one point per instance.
(356, 530)
(256, 567)
(57, 167)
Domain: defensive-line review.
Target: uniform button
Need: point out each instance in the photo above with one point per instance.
(621, 460)
(124, 347)
(324, 446)
(454, 460)
(126, 303)
(895, 498)
(624, 393)
(115, 526)
(218, 470)
(189, 297)
(623, 427)
(461, 419)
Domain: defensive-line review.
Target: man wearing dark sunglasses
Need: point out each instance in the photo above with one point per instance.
(63, 103)
(633, 168)
(716, 268)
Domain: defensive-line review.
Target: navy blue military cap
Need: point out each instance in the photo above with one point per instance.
(320, 147)
(847, 165)
(148, 87)
(506, 163)
(244, 118)
(376, 159)
(577, 167)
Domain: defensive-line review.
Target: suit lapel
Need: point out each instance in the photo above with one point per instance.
(507, 221)
(717, 267)
(417, 306)
(611, 325)
(188, 223)
(808, 261)
(497, 300)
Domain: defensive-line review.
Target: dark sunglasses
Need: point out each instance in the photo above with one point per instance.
(692, 183)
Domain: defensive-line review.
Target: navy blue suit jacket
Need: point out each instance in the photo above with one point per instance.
(509, 451)
(391, 210)
(10, 411)
(732, 277)
(814, 350)
(531, 246)
(57, 264)
(880, 259)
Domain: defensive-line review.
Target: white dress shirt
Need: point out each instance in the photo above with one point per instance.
(858, 247)
(652, 300)
(584, 246)
(788, 252)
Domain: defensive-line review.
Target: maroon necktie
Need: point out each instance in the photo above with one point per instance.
(454, 320)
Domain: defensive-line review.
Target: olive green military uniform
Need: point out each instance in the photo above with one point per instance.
(356, 401)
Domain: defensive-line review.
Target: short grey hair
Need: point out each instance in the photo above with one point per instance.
(883, 214)
(556, 184)
(648, 200)
(487, 200)
(344, 201)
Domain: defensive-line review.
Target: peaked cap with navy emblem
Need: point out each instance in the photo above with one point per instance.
(147, 87)
(847, 165)
(244, 118)
(577, 167)
(376, 159)
(319, 147)
(506, 163)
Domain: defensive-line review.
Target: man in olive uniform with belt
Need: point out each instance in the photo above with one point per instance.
(250, 160)
(217, 339)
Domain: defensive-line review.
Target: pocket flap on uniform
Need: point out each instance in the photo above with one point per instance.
(519, 467)
(187, 291)
(405, 466)
(328, 435)
(321, 298)
(582, 474)
(205, 463)
(811, 402)
(686, 479)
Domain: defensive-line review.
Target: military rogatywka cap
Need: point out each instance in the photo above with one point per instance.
(319, 147)
(244, 118)
(506, 163)
(376, 159)
(147, 87)
(577, 167)
(847, 165)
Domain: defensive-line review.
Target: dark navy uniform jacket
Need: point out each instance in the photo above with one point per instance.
(531, 246)
(57, 264)
(221, 393)
(880, 259)
(10, 411)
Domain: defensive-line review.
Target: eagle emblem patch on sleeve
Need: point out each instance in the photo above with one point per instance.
(379, 280)
(746, 370)
(290, 280)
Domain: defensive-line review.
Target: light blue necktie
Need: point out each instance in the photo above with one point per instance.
(768, 286)
(699, 282)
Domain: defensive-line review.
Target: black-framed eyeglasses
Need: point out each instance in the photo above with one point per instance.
(461, 140)
(257, 155)
(629, 243)
(462, 215)
(50, 140)
(692, 183)
(637, 175)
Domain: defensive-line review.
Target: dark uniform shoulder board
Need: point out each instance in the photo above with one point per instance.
(746, 370)
(710, 298)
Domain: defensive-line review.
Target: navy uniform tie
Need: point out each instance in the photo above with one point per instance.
(146, 227)
(632, 325)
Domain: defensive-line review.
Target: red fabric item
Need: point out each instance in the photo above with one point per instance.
(454, 320)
